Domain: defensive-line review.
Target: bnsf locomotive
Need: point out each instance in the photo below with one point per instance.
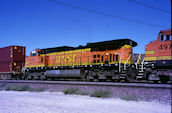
(108, 60)
(158, 55)
(99, 60)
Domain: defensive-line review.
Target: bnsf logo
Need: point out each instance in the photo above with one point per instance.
(66, 58)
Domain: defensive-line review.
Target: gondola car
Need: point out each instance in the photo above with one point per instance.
(100, 61)
(158, 57)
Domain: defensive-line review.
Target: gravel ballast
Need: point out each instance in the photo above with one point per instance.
(160, 95)
(57, 102)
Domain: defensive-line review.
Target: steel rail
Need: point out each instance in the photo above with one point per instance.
(141, 85)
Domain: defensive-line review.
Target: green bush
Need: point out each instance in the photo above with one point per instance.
(23, 88)
(75, 91)
(82, 92)
(100, 93)
(96, 93)
(2, 85)
(70, 91)
(37, 89)
(129, 98)
(18, 88)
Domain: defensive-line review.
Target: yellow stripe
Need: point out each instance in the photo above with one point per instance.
(150, 58)
(158, 58)
(126, 46)
(73, 64)
(68, 52)
(28, 66)
(149, 52)
(164, 58)
(85, 63)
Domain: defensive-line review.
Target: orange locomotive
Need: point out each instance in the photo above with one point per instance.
(160, 50)
(101, 60)
(158, 54)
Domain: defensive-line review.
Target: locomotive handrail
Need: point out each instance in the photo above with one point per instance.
(137, 61)
(139, 58)
(120, 62)
(126, 62)
(142, 64)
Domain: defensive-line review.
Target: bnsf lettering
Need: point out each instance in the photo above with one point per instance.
(66, 58)
(165, 46)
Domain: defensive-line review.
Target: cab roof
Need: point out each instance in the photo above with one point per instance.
(166, 32)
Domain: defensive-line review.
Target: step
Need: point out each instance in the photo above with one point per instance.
(123, 74)
(121, 77)
(140, 71)
(140, 74)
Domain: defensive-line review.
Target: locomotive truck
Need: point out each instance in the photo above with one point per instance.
(107, 60)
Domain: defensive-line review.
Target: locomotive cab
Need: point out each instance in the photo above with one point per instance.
(158, 57)
(159, 51)
(34, 53)
(35, 59)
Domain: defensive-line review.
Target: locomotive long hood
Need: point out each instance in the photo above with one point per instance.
(111, 43)
(118, 42)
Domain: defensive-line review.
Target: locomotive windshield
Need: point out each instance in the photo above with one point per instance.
(164, 37)
(33, 53)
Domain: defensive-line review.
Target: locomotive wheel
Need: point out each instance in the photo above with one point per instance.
(164, 79)
(83, 74)
(22, 78)
(89, 79)
(101, 80)
(131, 74)
(88, 76)
(155, 81)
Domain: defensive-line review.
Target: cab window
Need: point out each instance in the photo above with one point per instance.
(102, 59)
(38, 53)
(117, 57)
(33, 53)
(165, 37)
(162, 37)
(169, 37)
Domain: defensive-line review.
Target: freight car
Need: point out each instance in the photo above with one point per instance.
(95, 61)
(12, 60)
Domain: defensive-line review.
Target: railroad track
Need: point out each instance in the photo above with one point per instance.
(141, 85)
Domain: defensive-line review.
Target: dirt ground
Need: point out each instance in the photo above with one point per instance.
(57, 102)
